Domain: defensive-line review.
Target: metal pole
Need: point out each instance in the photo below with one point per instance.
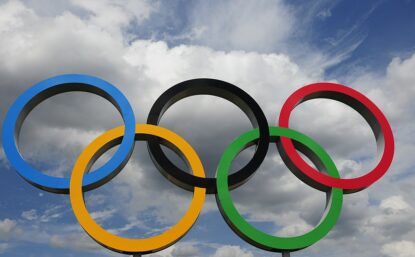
(137, 255)
(285, 254)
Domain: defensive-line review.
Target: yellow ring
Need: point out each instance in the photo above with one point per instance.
(127, 245)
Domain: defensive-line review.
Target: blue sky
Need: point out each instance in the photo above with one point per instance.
(269, 49)
(331, 26)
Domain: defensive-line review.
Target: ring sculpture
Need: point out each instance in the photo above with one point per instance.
(324, 176)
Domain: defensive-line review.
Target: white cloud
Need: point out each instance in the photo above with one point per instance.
(13, 12)
(232, 251)
(394, 204)
(399, 249)
(140, 64)
(268, 24)
(324, 14)
(52, 213)
(115, 15)
(185, 250)
(103, 215)
(37, 47)
(8, 228)
(30, 214)
(74, 241)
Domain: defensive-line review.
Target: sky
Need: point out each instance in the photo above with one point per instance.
(267, 48)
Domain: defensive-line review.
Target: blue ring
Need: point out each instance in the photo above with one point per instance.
(50, 87)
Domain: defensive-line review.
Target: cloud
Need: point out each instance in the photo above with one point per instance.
(232, 22)
(324, 14)
(182, 249)
(399, 249)
(52, 213)
(30, 214)
(4, 247)
(8, 229)
(261, 74)
(393, 217)
(185, 250)
(116, 13)
(74, 241)
(102, 215)
(231, 251)
(394, 204)
(94, 39)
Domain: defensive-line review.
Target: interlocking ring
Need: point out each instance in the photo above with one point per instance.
(215, 88)
(316, 154)
(370, 112)
(325, 177)
(46, 89)
(126, 245)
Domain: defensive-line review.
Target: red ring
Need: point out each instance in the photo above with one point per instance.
(372, 114)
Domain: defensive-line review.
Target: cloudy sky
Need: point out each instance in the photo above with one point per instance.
(269, 49)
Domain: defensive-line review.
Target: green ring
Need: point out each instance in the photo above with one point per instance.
(250, 233)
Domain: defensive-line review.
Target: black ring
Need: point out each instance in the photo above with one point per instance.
(226, 91)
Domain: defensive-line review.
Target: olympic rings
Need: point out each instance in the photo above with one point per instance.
(372, 114)
(46, 89)
(215, 88)
(125, 245)
(81, 181)
(251, 234)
